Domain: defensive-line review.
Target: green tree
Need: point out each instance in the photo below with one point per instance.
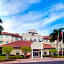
(25, 50)
(54, 34)
(54, 51)
(1, 27)
(7, 50)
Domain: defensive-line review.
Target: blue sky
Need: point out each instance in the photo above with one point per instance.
(19, 16)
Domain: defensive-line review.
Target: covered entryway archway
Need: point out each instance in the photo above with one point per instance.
(37, 48)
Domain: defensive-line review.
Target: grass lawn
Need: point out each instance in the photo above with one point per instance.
(2, 58)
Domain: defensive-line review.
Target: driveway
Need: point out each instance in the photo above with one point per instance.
(37, 61)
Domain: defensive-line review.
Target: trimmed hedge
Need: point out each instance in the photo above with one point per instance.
(2, 54)
(2, 58)
(16, 57)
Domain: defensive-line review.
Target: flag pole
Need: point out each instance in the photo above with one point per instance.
(62, 43)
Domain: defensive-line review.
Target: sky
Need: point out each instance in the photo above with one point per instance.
(19, 16)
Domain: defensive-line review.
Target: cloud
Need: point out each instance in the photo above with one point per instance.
(22, 23)
(33, 19)
(10, 7)
(55, 12)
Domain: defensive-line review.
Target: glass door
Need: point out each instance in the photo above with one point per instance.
(35, 53)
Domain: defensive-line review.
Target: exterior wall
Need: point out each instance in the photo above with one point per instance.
(47, 51)
(14, 51)
(36, 45)
(8, 38)
(28, 36)
(47, 41)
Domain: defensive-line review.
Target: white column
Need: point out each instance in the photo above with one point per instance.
(41, 53)
(32, 53)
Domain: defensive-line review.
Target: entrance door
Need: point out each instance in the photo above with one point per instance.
(35, 53)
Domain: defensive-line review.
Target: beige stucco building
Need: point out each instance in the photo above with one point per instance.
(6, 37)
(39, 44)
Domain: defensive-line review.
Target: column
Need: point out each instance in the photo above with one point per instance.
(41, 53)
(32, 53)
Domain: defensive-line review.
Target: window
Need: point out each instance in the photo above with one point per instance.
(34, 40)
(53, 44)
(1, 42)
(1, 36)
(42, 40)
(25, 39)
(30, 39)
(16, 38)
(12, 38)
(17, 52)
(46, 40)
(39, 40)
(21, 38)
(6, 36)
(49, 53)
(45, 53)
(6, 42)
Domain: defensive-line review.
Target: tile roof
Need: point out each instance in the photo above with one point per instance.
(47, 46)
(21, 43)
(46, 37)
(12, 34)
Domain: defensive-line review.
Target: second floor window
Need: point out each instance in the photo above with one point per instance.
(1, 42)
(1, 36)
(34, 40)
(46, 40)
(6, 36)
(25, 39)
(30, 39)
(6, 42)
(16, 38)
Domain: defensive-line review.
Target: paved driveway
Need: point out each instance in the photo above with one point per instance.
(37, 61)
(52, 62)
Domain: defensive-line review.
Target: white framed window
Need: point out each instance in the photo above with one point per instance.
(1, 42)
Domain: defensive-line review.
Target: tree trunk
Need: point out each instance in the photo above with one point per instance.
(0, 32)
(24, 55)
(7, 56)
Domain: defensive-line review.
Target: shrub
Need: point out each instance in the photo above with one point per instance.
(46, 55)
(2, 54)
(11, 57)
(16, 57)
(27, 56)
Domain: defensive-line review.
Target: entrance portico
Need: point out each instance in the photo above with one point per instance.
(37, 49)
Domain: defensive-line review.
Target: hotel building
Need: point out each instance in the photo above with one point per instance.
(39, 44)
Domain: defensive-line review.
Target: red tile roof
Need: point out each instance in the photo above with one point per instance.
(12, 34)
(47, 46)
(19, 43)
(46, 37)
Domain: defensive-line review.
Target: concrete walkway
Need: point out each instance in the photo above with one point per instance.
(33, 60)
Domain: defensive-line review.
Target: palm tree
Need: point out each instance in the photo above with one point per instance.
(55, 33)
(0, 21)
(1, 28)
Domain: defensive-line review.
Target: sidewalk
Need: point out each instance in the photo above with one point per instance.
(34, 60)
